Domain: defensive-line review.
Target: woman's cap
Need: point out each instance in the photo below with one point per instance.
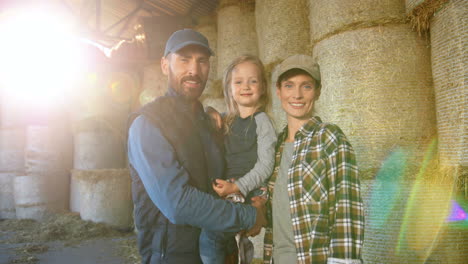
(299, 61)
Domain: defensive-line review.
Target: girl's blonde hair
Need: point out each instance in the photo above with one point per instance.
(264, 100)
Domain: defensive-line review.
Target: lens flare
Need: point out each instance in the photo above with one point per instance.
(457, 213)
(386, 188)
(40, 58)
(427, 207)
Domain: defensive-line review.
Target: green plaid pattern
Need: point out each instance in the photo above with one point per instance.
(324, 195)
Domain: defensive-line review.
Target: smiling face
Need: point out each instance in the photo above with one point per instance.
(298, 94)
(187, 70)
(246, 87)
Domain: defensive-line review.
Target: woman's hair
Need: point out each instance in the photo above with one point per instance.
(263, 101)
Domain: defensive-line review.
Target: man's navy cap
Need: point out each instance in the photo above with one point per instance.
(185, 37)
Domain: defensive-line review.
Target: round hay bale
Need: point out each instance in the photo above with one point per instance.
(97, 146)
(106, 94)
(236, 34)
(7, 197)
(106, 197)
(154, 83)
(12, 149)
(278, 38)
(449, 40)
(37, 196)
(75, 193)
(207, 26)
(379, 93)
(48, 151)
(414, 228)
(329, 17)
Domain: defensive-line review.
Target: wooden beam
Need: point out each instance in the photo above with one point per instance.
(127, 17)
(163, 9)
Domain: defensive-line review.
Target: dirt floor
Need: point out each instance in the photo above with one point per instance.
(65, 238)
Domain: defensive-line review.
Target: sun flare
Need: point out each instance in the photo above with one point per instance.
(40, 56)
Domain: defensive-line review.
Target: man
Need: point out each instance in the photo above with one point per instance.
(315, 179)
(173, 156)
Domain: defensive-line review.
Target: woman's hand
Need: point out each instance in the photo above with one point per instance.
(215, 116)
(223, 188)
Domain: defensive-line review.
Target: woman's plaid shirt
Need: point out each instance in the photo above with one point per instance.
(324, 196)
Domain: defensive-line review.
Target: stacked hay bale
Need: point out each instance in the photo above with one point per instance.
(376, 79)
(44, 187)
(279, 37)
(99, 150)
(105, 196)
(7, 196)
(377, 86)
(328, 18)
(213, 94)
(236, 32)
(449, 40)
(12, 139)
(207, 26)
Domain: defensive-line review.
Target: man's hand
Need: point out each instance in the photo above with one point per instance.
(259, 203)
(215, 117)
(223, 188)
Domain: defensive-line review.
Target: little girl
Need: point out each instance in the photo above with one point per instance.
(249, 143)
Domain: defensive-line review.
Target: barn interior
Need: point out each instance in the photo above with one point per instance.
(72, 71)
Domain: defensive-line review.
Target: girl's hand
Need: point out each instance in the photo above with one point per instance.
(215, 117)
(223, 188)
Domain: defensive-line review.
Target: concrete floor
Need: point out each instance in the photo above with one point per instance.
(96, 251)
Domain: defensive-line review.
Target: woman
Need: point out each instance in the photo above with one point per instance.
(315, 179)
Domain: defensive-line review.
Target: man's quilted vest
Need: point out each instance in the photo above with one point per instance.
(159, 240)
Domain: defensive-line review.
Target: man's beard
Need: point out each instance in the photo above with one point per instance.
(189, 93)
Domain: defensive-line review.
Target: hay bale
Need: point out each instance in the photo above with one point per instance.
(97, 146)
(75, 194)
(7, 197)
(329, 17)
(378, 92)
(278, 37)
(106, 197)
(106, 94)
(207, 26)
(154, 83)
(48, 151)
(236, 33)
(12, 150)
(38, 196)
(448, 42)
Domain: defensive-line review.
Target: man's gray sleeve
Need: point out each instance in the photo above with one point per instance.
(266, 141)
(167, 183)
